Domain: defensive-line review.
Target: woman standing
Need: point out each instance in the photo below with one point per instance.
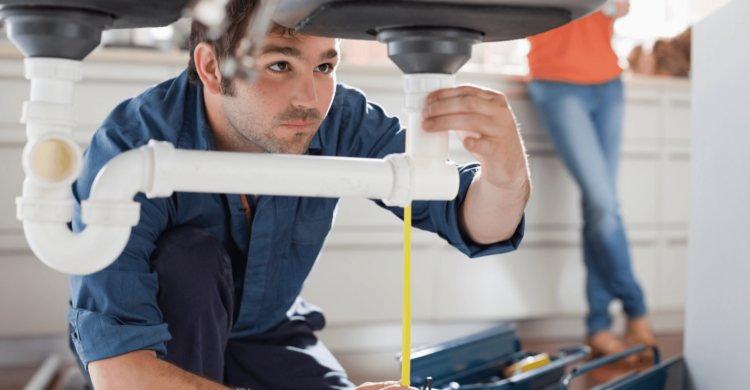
(578, 95)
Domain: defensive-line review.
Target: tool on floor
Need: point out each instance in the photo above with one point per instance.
(526, 364)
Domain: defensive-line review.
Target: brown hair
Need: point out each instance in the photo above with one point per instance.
(238, 16)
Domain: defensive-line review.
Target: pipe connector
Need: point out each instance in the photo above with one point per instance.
(51, 114)
(403, 180)
(418, 86)
(44, 210)
(421, 180)
(110, 213)
(162, 179)
(53, 68)
(52, 79)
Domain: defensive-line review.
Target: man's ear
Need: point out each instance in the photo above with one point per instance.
(207, 67)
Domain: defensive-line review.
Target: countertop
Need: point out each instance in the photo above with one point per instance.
(143, 56)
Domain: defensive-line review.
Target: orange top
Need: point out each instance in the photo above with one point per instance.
(579, 52)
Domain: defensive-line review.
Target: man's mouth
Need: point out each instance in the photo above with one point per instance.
(299, 121)
(299, 126)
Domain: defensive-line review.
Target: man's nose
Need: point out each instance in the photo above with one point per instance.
(305, 95)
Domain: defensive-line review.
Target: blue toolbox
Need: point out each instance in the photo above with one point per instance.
(478, 361)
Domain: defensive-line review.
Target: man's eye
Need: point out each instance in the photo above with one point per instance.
(325, 68)
(279, 67)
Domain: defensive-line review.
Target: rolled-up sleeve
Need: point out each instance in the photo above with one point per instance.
(369, 132)
(442, 218)
(115, 311)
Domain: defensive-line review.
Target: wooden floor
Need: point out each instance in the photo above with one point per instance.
(670, 345)
(15, 378)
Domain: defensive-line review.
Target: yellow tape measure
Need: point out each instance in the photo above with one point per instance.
(406, 316)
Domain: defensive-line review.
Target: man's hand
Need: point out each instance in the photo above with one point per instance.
(383, 386)
(143, 370)
(487, 128)
(483, 120)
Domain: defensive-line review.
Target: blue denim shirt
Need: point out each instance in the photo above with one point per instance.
(115, 311)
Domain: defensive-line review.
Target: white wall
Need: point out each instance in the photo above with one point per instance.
(717, 314)
(700, 9)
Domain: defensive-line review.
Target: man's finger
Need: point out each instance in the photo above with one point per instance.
(462, 90)
(481, 146)
(462, 104)
(378, 386)
(398, 386)
(390, 385)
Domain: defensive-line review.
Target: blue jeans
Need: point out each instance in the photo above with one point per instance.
(584, 122)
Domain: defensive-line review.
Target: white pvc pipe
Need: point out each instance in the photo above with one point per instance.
(436, 181)
(435, 178)
(423, 173)
(421, 145)
(111, 208)
(109, 219)
(124, 176)
(52, 81)
(109, 212)
(45, 206)
(76, 253)
(51, 90)
(288, 175)
(33, 190)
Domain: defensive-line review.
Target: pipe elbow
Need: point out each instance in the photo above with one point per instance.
(76, 253)
(110, 202)
(123, 176)
(109, 214)
(436, 180)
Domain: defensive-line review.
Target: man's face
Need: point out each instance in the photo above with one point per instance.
(283, 109)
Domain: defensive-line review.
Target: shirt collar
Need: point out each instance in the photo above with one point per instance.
(315, 146)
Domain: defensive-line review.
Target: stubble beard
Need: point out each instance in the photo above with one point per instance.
(249, 130)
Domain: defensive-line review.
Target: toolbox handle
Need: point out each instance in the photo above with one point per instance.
(565, 357)
(584, 368)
